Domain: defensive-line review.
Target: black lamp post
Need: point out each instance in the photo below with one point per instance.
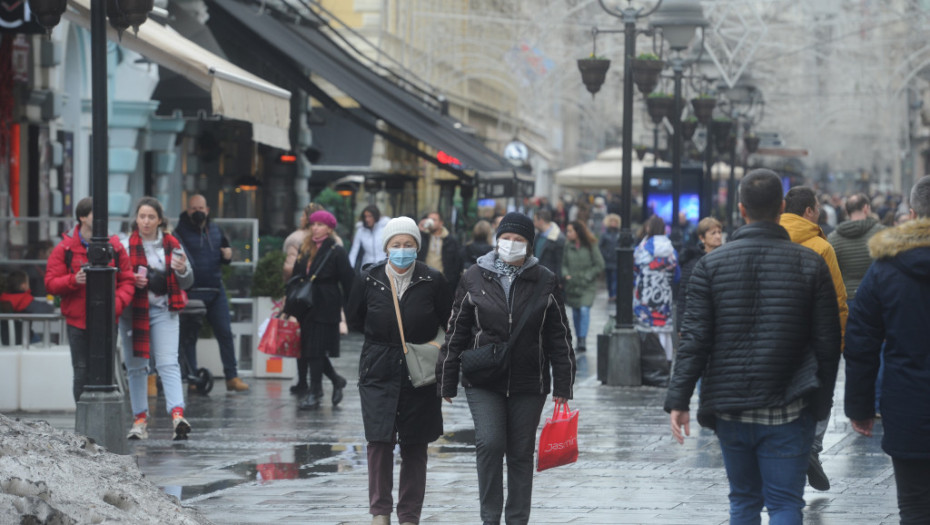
(677, 20)
(100, 408)
(742, 99)
(624, 344)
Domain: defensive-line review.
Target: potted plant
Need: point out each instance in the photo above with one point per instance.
(751, 141)
(704, 107)
(646, 70)
(593, 72)
(688, 127)
(640, 151)
(659, 105)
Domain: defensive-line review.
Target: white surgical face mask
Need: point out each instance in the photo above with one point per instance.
(510, 251)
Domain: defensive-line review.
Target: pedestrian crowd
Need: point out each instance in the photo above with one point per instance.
(755, 322)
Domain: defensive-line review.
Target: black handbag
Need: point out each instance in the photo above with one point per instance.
(491, 362)
(299, 291)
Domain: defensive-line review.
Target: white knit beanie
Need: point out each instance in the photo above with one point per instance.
(397, 226)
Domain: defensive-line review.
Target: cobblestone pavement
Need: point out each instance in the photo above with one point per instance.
(254, 458)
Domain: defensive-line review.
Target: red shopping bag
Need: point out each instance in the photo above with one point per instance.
(281, 338)
(558, 441)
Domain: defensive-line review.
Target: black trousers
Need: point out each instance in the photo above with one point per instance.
(912, 477)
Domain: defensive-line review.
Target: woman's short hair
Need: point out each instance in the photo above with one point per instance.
(707, 224)
(481, 232)
(654, 226)
(373, 210)
(612, 218)
(153, 203)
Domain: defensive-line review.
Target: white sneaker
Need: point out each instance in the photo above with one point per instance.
(139, 429)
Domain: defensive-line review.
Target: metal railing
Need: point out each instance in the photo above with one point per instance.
(27, 320)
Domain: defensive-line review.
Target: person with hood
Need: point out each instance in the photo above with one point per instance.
(66, 278)
(440, 249)
(655, 269)
(802, 211)
(208, 249)
(890, 317)
(548, 243)
(393, 410)
(494, 294)
(366, 243)
(850, 241)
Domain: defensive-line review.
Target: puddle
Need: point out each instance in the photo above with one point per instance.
(302, 462)
(462, 441)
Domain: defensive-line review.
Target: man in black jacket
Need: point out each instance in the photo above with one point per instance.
(762, 329)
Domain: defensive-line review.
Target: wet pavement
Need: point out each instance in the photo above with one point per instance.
(254, 458)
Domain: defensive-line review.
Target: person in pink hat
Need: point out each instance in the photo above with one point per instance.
(320, 255)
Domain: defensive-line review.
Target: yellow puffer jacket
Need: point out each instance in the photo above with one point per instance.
(806, 233)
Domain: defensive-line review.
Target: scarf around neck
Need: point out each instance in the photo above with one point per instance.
(177, 299)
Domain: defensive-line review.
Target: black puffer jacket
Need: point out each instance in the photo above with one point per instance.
(389, 399)
(482, 313)
(762, 328)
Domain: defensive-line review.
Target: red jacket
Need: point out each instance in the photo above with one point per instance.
(60, 280)
(19, 301)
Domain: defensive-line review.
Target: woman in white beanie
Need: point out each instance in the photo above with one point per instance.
(393, 410)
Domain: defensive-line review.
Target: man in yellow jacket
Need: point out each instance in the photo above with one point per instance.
(800, 219)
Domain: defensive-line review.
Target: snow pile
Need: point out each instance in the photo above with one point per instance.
(59, 478)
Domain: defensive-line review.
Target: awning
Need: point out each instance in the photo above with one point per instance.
(604, 172)
(236, 93)
(309, 48)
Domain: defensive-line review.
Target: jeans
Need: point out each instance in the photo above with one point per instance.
(611, 276)
(766, 465)
(163, 347)
(80, 353)
(582, 318)
(505, 426)
(412, 488)
(218, 317)
(912, 477)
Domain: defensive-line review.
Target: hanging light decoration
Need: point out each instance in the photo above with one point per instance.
(125, 13)
(48, 12)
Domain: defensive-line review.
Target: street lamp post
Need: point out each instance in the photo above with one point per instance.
(99, 412)
(624, 364)
(678, 20)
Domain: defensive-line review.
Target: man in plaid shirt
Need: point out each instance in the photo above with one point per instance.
(762, 329)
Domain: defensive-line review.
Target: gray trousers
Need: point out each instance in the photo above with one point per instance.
(505, 426)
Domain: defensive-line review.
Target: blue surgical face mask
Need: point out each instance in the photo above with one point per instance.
(402, 257)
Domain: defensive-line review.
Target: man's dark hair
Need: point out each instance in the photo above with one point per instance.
(800, 198)
(83, 208)
(856, 202)
(920, 197)
(15, 280)
(760, 195)
(543, 215)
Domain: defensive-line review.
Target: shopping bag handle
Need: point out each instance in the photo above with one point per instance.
(563, 405)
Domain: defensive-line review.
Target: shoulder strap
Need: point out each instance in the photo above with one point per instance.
(69, 256)
(400, 323)
(526, 315)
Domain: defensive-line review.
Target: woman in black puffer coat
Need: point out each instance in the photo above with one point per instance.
(393, 410)
(490, 301)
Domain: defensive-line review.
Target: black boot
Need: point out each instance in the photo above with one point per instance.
(299, 389)
(338, 384)
(310, 402)
(580, 348)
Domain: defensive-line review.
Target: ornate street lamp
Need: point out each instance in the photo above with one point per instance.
(678, 20)
(744, 105)
(48, 12)
(624, 341)
(100, 408)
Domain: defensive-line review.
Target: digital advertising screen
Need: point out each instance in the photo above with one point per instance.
(657, 193)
